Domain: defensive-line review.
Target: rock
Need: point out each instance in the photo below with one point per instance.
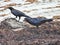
(12, 23)
(47, 34)
(12, 42)
(55, 43)
(6, 0)
(32, 1)
(2, 15)
(3, 42)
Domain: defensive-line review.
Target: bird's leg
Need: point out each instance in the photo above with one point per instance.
(37, 27)
(16, 16)
(19, 17)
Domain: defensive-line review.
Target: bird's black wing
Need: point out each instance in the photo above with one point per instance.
(17, 12)
(33, 21)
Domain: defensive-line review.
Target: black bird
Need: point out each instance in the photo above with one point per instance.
(37, 21)
(17, 13)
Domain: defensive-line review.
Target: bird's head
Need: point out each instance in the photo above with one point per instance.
(10, 8)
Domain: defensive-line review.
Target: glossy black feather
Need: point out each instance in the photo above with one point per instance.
(37, 21)
(17, 13)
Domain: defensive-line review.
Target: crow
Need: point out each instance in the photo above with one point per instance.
(17, 13)
(37, 21)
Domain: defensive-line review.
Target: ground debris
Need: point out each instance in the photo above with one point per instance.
(47, 34)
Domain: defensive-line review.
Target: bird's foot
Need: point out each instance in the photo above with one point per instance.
(17, 18)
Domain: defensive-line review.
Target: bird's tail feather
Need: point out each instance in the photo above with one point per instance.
(49, 20)
(27, 16)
